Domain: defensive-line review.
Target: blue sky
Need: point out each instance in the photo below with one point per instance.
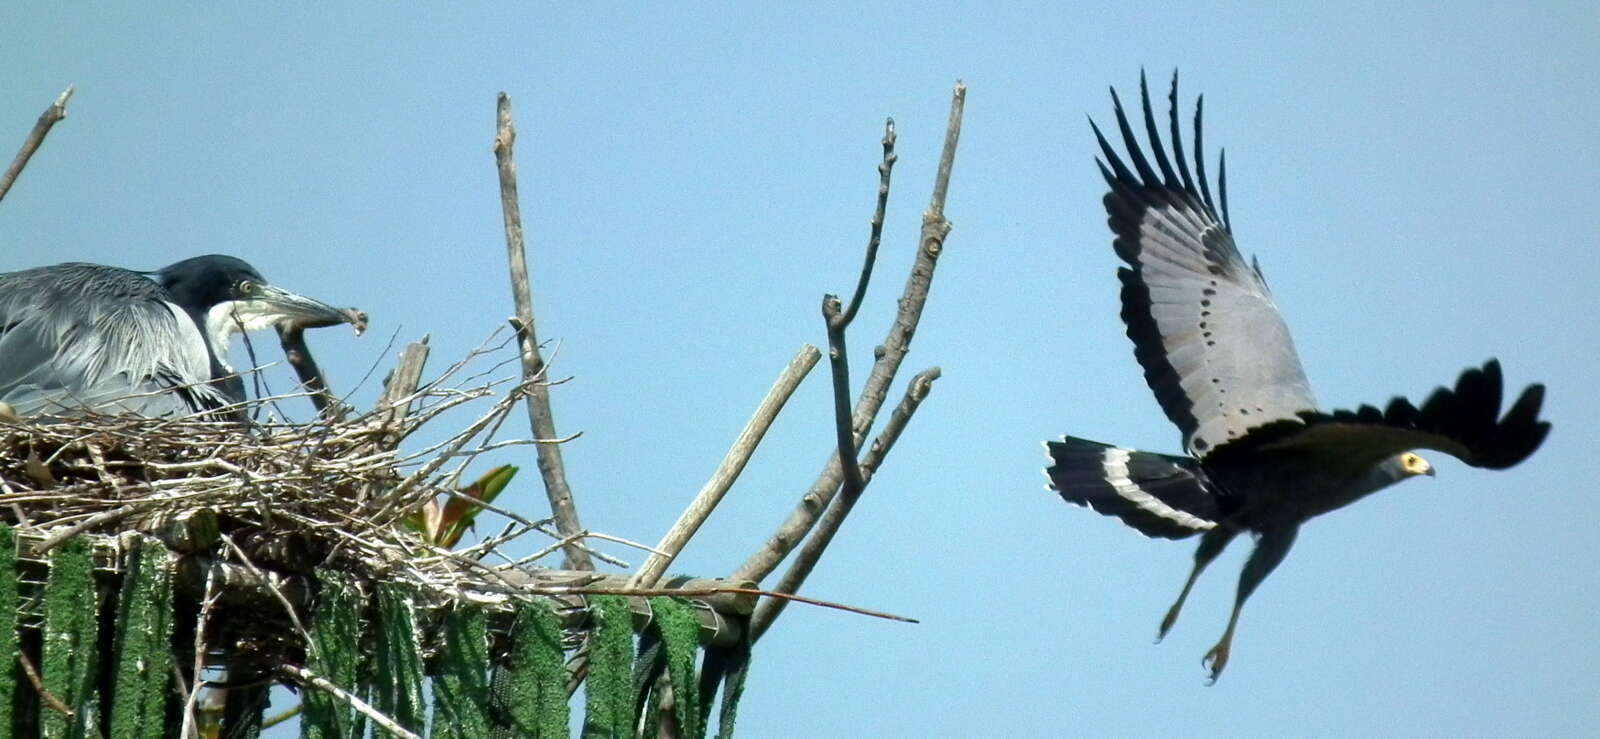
(1417, 182)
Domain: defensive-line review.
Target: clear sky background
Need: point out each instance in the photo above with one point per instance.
(1418, 182)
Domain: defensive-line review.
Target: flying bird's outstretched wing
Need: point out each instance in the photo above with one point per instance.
(1214, 349)
(1464, 422)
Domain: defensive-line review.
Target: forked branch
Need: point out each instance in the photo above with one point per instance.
(890, 354)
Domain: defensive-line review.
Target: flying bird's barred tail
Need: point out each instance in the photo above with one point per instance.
(1157, 494)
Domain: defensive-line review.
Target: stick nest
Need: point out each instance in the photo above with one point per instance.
(253, 512)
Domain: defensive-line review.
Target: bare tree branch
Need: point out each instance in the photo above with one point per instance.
(308, 679)
(811, 553)
(884, 169)
(45, 695)
(47, 119)
(890, 355)
(562, 506)
(728, 471)
(839, 366)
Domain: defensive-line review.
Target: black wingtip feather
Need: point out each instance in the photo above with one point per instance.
(1177, 135)
(1110, 153)
(1199, 153)
(1135, 152)
(1222, 188)
(1160, 152)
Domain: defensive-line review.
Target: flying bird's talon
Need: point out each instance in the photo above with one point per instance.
(1215, 660)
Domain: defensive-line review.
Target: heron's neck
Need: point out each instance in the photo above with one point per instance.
(221, 322)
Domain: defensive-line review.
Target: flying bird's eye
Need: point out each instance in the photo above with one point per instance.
(246, 287)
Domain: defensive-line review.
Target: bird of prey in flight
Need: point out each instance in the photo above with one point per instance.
(1260, 456)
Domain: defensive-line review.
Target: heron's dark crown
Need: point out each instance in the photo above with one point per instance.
(197, 283)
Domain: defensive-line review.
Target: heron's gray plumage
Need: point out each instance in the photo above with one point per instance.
(1218, 356)
(86, 337)
(78, 336)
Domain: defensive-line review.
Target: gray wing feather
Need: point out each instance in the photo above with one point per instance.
(81, 336)
(1215, 350)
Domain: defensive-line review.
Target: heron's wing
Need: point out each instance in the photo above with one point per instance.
(79, 336)
(1214, 349)
(1464, 422)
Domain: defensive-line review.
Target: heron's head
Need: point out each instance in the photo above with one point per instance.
(227, 295)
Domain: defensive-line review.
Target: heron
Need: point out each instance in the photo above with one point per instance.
(81, 337)
(1261, 456)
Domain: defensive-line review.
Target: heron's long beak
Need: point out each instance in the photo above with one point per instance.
(279, 307)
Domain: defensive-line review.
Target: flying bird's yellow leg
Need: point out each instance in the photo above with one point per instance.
(1217, 658)
(1270, 550)
(1211, 545)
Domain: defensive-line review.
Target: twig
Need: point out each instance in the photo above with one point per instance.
(884, 169)
(47, 119)
(48, 697)
(890, 355)
(288, 608)
(189, 729)
(702, 592)
(114, 514)
(728, 471)
(839, 367)
(540, 417)
(290, 713)
(811, 553)
(307, 679)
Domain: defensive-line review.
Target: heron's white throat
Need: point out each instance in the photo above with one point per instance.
(227, 318)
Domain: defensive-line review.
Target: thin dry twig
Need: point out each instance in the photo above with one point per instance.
(890, 354)
(308, 679)
(885, 168)
(562, 506)
(47, 120)
(702, 592)
(728, 471)
(189, 727)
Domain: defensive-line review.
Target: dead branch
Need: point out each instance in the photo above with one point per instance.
(307, 679)
(811, 553)
(562, 506)
(191, 702)
(47, 120)
(728, 471)
(885, 168)
(45, 695)
(890, 354)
